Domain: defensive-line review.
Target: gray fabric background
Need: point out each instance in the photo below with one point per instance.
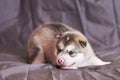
(98, 20)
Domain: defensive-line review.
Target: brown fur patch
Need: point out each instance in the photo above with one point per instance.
(42, 43)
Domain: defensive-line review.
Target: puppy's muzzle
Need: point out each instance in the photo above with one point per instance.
(61, 62)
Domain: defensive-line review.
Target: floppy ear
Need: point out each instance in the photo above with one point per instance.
(83, 43)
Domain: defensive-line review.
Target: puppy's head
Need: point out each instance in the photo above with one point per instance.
(70, 49)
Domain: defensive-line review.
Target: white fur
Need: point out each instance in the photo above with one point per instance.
(69, 48)
(91, 59)
(78, 60)
(87, 58)
(61, 45)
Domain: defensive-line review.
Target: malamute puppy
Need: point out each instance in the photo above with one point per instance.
(60, 45)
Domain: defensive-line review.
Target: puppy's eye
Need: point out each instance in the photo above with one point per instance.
(72, 54)
(59, 50)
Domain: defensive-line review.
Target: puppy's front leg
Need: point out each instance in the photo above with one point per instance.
(97, 62)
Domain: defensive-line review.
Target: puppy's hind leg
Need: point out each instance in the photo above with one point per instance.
(37, 55)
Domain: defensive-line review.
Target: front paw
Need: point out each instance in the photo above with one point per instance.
(105, 63)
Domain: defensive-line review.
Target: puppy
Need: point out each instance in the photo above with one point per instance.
(60, 45)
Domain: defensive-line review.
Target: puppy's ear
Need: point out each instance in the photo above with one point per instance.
(83, 43)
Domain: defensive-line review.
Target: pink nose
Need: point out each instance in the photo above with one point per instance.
(61, 61)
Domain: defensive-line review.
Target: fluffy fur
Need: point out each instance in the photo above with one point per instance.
(60, 45)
